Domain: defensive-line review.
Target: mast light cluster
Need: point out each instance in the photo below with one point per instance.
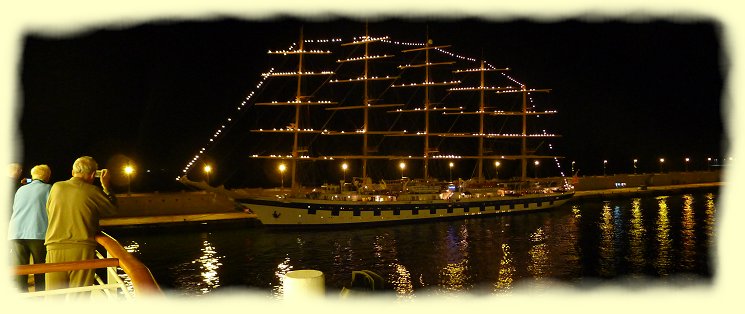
(289, 52)
(363, 58)
(455, 55)
(288, 129)
(297, 73)
(426, 84)
(333, 40)
(302, 102)
(430, 109)
(480, 70)
(522, 90)
(363, 78)
(401, 43)
(367, 39)
(496, 88)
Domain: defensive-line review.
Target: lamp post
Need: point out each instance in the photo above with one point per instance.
(128, 170)
(635, 160)
(344, 167)
(708, 164)
(282, 169)
(496, 166)
(687, 160)
(662, 162)
(572, 167)
(605, 163)
(402, 165)
(207, 171)
(451, 171)
(536, 163)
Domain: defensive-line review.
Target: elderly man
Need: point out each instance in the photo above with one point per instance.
(28, 224)
(74, 208)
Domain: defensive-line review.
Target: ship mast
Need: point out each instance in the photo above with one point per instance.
(296, 128)
(298, 100)
(482, 112)
(426, 84)
(482, 88)
(368, 102)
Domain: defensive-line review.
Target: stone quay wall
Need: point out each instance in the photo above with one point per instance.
(590, 183)
(175, 203)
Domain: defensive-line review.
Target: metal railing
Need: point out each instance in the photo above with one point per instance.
(141, 281)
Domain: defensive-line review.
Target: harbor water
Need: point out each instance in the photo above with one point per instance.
(630, 242)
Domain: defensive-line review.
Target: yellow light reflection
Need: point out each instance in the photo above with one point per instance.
(401, 282)
(607, 247)
(636, 237)
(282, 269)
(209, 265)
(454, 278)
(709, 220)
(539, 261)
(506, 271)
(688, 232)
(664, 243)
(576, 212)
(568, 242)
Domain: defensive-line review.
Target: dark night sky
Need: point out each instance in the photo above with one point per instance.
(156, 91)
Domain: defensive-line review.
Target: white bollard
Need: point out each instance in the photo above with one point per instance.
(304, 284)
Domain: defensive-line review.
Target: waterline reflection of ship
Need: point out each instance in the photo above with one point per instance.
(378, 124)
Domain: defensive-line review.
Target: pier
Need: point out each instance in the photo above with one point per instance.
(648, 191)
(177, 207)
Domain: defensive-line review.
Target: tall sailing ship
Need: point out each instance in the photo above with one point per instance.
(401, 123)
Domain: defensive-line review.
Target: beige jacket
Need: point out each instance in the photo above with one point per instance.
(74, 208)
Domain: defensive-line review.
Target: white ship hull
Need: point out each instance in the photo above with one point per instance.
(307, 212)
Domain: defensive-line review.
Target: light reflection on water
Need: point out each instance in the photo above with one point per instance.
(607, 245)
(282, 270)
(688, 234)
(506, 271)
(664, 243)
(539, 263)
(636, 237)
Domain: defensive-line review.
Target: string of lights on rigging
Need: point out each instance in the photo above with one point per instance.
(363, 39)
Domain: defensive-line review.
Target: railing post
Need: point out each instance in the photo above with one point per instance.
(111, 276)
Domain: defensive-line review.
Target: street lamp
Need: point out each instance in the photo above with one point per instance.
(344, 167)
(662, 162)
(605, 163)
(451, 171)
(708, 164)
(536, 163)
(402, 165)
(687, 160)
(207, 171)
(572, 167)
(496, 166)
(635, 160)
(282, 169)
(128, 170)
